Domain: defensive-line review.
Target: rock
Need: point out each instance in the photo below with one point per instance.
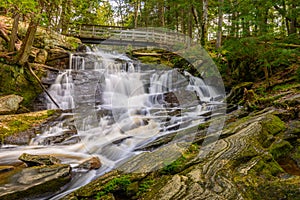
(36, 182)
(57, 139)
(21, 138)
(6, 168)
(58, 58)
(10, 104)
(92, 163)
(237, 166)
(37, 160)
(41, 57)
(237, 93)
(182, 98)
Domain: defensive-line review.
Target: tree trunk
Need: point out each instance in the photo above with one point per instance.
(293, 22)
(23, 54)
(204, 22)
(14, 33)
(190, 24)
(136, 12)
(196, 18)
(161, 13)
(220, 24)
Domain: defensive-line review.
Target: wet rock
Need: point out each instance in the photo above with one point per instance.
(182, 98)
(36, 182)
(6, 168)
(92, 163)
(57, 139)
(10, 104)
(37, 160)
(21, 138)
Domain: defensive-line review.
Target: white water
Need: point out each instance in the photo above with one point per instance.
(116, 108)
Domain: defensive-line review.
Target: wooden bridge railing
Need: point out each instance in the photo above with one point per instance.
(147, 35)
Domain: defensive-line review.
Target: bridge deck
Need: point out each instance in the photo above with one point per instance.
(109, 35)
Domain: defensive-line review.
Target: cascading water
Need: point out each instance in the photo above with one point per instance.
(116, 107)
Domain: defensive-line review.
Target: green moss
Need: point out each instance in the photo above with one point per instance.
(180, 164)
(281, 148)
(145, 186)
(116, 184)
(12, 124)
(18, 80)
(273, 125)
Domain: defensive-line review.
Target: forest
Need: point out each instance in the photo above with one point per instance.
(250, 128)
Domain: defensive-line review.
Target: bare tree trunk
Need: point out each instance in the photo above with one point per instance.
(204, 22)
(22, 56)
(293, 23)
(136, 12)
(14, 32)
(220, 24)
(161, 13)
(196, 18)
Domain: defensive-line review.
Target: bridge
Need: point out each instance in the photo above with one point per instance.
(142, 37)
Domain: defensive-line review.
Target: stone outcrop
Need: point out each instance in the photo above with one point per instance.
(43, 176)
(37, 160)
(242, 164)
(10, 104)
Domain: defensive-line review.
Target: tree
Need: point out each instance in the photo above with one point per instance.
(220, 25)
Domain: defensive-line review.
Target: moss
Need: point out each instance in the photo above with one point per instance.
(181, 163)
(245, 156)
(145, 186)
(18, 80)
(11, 124)
(273, 125)
(281, 148)
(117, 184)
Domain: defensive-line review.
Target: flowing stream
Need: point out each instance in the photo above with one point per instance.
(113, 107)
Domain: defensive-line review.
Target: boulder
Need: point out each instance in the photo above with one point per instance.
(92, 163)
(37, 160)
(41, 56)
(10, 104)
(36, 182)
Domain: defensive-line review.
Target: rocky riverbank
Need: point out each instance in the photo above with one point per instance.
(256, 157)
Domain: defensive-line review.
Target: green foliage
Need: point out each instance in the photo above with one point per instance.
(116, 184)
(251, 59)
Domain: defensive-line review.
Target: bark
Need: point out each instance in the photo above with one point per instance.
(14, 33)
(293, 23)
(196, 19)
(161, 13)
(136, 12)
(23, 54)
(204, 22)
(220, 24)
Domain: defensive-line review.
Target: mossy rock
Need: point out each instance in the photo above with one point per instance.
(237, 93)
(280, 149)
(15, 129)
(18, 80)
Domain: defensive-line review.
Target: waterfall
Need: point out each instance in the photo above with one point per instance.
(114, 107)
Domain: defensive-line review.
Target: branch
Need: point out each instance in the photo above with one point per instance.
(4, 35)
(42, 86)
